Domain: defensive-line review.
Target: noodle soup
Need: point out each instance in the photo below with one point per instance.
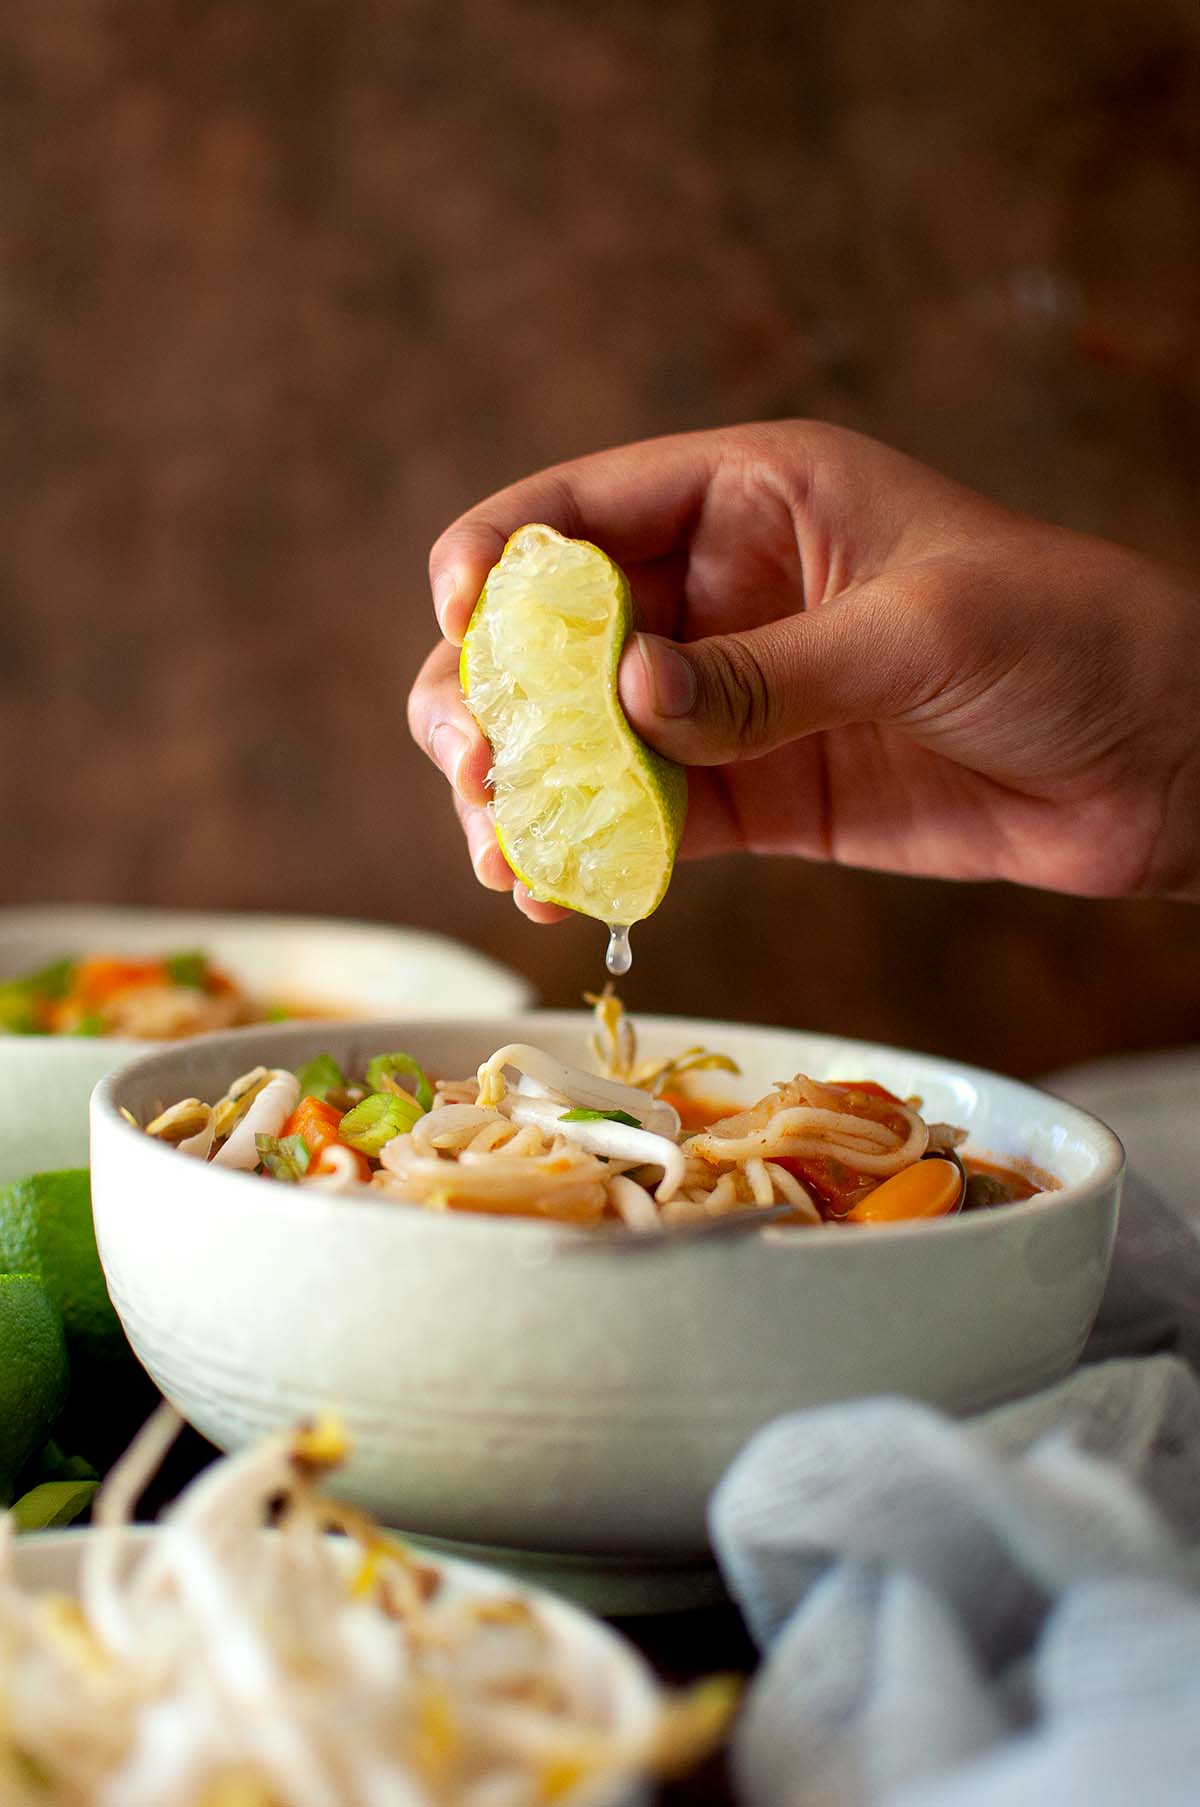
(625, 1144)
(514, 1379)
(84, 988)
(161, 998)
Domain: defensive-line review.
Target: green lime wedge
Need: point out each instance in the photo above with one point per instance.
(587, 815)
(33, 1372)
(46, 1229)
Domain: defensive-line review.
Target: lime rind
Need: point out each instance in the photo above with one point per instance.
(34, 1372)
(586, 814)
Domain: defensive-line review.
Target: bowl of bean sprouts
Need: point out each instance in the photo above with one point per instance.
(265, 1643)
(478, 1242)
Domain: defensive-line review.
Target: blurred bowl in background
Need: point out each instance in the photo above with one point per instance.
(500, 1386)
(336, 968)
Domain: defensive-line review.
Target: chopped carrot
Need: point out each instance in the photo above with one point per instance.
(95, 981)
(315, 1121)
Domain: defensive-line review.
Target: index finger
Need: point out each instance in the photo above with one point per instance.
(637, 501)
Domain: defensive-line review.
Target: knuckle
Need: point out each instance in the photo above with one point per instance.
(561, 500)
(424, 718)
(741, 690)
(928, 632)
(453, 542)
(416, 712)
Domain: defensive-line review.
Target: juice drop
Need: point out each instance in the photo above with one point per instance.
(619, 957)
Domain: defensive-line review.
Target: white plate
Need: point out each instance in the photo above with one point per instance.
(351, 969)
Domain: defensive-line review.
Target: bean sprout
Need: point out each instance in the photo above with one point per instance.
(530, 1135)
(218, 1662)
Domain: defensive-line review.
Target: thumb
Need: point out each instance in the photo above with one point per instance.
(734, 696)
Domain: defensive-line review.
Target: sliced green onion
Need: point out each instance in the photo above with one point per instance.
(19, 998)
(53, 981)
(277, 1014)
(387, 1066)
(318, 1075)
(284, 1157)
(380, 1116)
(89, 1024)
(53, 1503)
(188, 969)
(582, 1116)
(16, 1010)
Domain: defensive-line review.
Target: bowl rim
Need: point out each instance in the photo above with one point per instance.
(34, 919)
(1110, 1153)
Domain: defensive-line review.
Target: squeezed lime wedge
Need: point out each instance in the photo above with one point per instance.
(587, 815)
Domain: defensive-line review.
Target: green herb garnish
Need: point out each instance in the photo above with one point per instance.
(16, 1010)
(53, 981)
(19, 998)
(284, 1157)
(91, 1023)
(318, 1076)
(582, 1116)
(53, 1503)
(380, 1116)
(277, 1014)
(384, 1068)
(189, 969)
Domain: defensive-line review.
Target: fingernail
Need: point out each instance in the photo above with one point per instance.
(445, 589)
(448, 747)
(671, 677)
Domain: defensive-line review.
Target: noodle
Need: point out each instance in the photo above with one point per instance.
(790, 1189)
(530, 1135)
(634, 1203)
(860, 1142)
(761, 1186)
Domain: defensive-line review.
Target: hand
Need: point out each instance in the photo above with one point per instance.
(862, 661)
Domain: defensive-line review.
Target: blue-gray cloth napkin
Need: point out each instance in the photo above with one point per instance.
(998, 1610)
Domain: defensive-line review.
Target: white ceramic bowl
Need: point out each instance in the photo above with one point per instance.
(503, 1388)
(48, 1562)
(353, 969)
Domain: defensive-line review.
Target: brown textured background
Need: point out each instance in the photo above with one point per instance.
(283, 288)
